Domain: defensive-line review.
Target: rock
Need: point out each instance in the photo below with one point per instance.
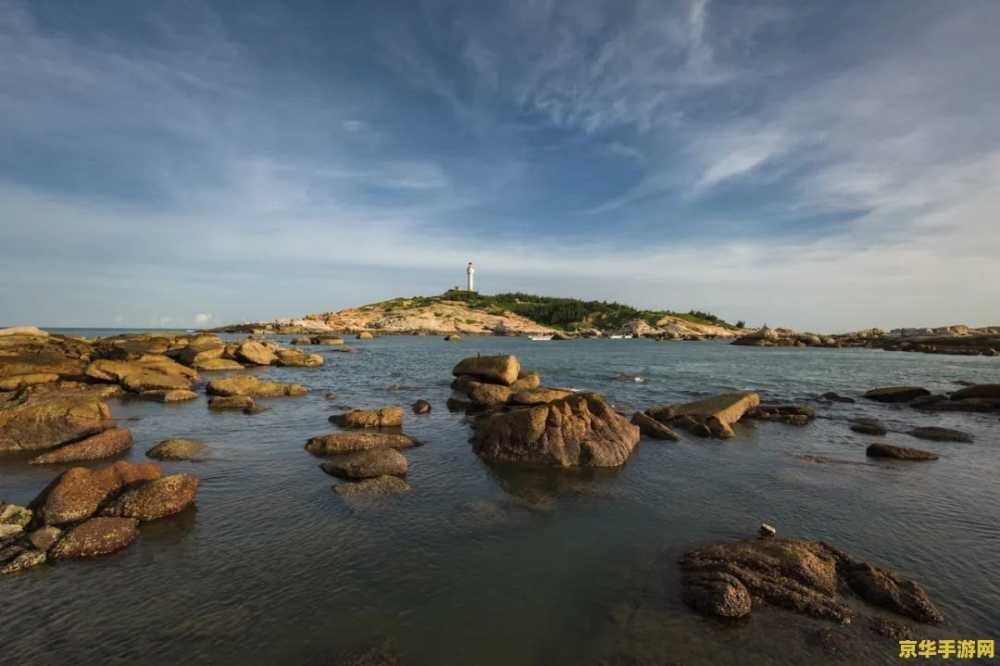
(147, 373)
(96, 537)
(22, 330)
(579, 430)
(898, 452)
(43, 417)
(15, 515)
(830, 396)
(650, 427)
(177, 449)
(382, 485)
(175, 395)
(105, 444)
(295, 358)
(938, 434)
(421, 407)
(365, 335)
(44, 538)
(8, 532)
(798, 415)
(24, 560)
(256, 353)
(367, 464)
(486, 395)
(867, 426)
(331, 395)
(717, 593)
(806, 577)
(494, 369)
(454, 337)
(767, 531)
(383, 417)
(217, 364)
(896, 394)
(32, 379)
(198, 355)
(248, 385)
(988, 391)
(716, 414)
(155, 499)
(526, 380)
(327, 341)
(536, 396)
(77, 493)
(381, 653)
(358, 440)
(301, 341)
(241, 402)
(940, 403)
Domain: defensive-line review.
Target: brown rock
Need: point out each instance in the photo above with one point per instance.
(256, 353)
(487, 394)
(358, 440)
(175, 395)
(155, 499)
(45, 416)
(147, 373)
(650, 427)
(249, 385)
(988, 391)
(579, 430)
(494, 369)
(716, 414)
(383, 417)
(798, 415)
(25, 559)
(867, 426)
(896, 394)
(938, 434)
(298, 359)
(382, 485)
(240, 402)
(44, 538)
(717, 593)
(887, 590)
(538, 395)
(526, 380)
(421, 407)
(898, 452)
(20, 381)
(215, 364)
(367, 464)
(365, 335)
(96, 537)
(77, 493)
(106, 444)
(178, 449)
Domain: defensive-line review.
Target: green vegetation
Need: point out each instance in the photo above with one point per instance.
(566, 313)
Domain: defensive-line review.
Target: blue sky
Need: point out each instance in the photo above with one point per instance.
(822, 165)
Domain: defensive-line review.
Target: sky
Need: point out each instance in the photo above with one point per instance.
(825, 166)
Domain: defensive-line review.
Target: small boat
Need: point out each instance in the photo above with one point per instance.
(539, 338)
(616, 337)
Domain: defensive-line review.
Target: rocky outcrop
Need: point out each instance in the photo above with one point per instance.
(178, 449)
(502, 370)
(382, 485)
(367, 464)
(806, 577)
(107, 444)
(96, 537)
(77, 493)
(359, 440)
(713, 416)
(898, 452)
(896, 394)
(383, 417)
(147, 373)
(45, 416)
(248, 385)
(579, 430)
(155, 499)
(652, 428)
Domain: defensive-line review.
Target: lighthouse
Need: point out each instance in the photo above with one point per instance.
(470, 274)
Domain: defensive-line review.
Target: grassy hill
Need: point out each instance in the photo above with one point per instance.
(562, 313)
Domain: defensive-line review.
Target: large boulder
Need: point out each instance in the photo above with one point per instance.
(107, 444)
(78, 492)
(390, 416)
(358, 440)
(806, 577)
(716, 414)
(896, 394)
(178, 449)
(494, 369)
(256, 353)
(248, 385)
(898, 452)
(578, 430)
(367, 464)
(96, 537)
(155, 499)
(43, 417)
(146, 373)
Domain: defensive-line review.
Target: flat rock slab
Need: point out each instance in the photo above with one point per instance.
(96, 537)
(650, 427)
(938, 434)
(248, 385)
(349, 442)
(896, 394)
(178, 449)
(898, 452)
(382, 485)
(107, 444)
(367, 464)
(714, 416)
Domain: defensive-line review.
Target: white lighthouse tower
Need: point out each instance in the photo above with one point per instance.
(470, 273)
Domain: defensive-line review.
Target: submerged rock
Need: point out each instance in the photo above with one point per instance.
(367, 464)
(798, 415)
(830, 396)
(248, 385)
(155, 499)
(382, 485)
(650, 427)
(390, 416)
(493, 369)
(579, 430)
(224, 403)
(365, 335)
(938, 434)
(351, 441)
(178, 449)
(867, 426)
(896, 394)
(96, 537)
(898, 452)
(710, 416)
(107, 444)
(421, 407)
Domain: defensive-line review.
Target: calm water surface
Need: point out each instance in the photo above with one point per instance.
(479, 565)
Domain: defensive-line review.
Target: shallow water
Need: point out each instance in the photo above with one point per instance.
(479, 565)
